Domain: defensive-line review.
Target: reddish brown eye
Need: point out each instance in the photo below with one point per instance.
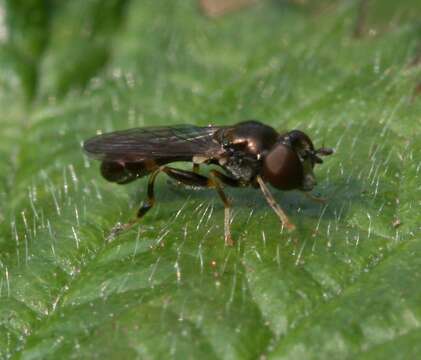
(282, 168)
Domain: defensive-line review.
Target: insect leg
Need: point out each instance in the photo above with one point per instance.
(186, 177)
(191, 178)
(214, 181)
(150, 201)
(273, 204)
(226, 179)
(146, 206)
(187, 183)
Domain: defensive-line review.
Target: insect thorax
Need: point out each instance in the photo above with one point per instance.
(241, 166)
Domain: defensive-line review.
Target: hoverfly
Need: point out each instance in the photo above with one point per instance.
(249, 153)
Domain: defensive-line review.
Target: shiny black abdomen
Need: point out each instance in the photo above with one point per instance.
(122, 172)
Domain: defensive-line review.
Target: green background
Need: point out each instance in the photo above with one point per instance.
(345, 284)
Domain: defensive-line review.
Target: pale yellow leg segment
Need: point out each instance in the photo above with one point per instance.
(274, 205)
(215, 183)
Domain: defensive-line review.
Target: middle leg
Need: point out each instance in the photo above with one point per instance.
(214, 181)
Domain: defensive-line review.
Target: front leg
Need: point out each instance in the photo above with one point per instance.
(274, 205)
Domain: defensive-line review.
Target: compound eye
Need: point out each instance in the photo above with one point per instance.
(282, 168)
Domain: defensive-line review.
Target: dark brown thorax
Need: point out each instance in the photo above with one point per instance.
(251, 137)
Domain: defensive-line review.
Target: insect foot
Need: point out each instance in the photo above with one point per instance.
(115, 231)
(289, 226)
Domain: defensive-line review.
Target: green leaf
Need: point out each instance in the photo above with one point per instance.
(345, 284)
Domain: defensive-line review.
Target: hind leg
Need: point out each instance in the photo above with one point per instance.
(146, 206)
(187, 178)
(177, 184)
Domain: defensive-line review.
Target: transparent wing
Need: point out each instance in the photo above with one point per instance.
(175, 142)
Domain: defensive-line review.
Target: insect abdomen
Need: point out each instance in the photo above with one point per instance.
(123, 173)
